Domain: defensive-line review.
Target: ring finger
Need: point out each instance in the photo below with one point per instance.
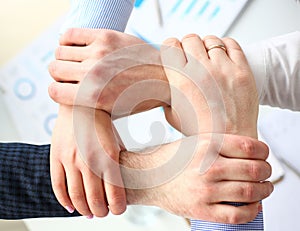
(216, 49)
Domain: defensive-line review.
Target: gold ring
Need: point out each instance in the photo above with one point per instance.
(217, 46)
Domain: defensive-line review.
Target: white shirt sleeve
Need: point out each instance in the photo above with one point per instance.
(276, 67)
(105, 14)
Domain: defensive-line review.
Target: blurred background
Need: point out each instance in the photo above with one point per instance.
(29, 34)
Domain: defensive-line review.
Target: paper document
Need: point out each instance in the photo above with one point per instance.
(24, 88)
(156, 20)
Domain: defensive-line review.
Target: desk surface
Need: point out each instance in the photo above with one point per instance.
(261, 19)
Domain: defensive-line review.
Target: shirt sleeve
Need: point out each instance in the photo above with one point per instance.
(256, 224)
(106, 14)
(25, 184)
(276, 67)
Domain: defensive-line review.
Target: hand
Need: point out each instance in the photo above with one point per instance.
(83, 175)
(89, 62)
(238, 175)
(214, 89)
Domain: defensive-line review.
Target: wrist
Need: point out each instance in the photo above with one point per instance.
(144, 189)
(136, 195)
(156, 89)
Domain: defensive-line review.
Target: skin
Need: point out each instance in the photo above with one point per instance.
(71, 66)
(228, 70)
(238, 174)
(76, 184)
(73, 61)
(79, 52)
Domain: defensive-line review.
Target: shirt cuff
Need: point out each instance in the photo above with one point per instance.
(256, 224)
(104, 14)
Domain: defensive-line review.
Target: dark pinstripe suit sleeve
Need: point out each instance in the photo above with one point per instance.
(25, 184)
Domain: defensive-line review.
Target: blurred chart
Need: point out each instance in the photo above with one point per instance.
(156, 20)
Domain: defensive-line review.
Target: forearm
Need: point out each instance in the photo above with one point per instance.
(25, 185)
(142, 173)
(276, 67)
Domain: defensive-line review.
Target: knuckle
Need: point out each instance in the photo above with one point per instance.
(171, 41)
(254, 171)
(216, 171)
(207, 192)
(58, 52)
(232, 44)
(270, 188)
(100, 51)
(234, 218)
(117, 209)
(76, 196)
(116, 200)
(248, 147)
(229, 40)
(265, 151)
(248, 191)
(107, 37)
(54, 92)
(58, 185)
(210, 37)
(70, 32)
(52, 68)
(192, 35)
(90, 158)
(96, 201)
(268, 170)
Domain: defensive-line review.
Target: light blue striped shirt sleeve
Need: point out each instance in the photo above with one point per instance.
(105, 14)
(256, 224)
(114, 15)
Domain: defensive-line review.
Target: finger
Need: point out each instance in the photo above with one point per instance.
(58, 181)
(172, 55)
(230, 214)
(240, 170)
(116, 198)
(234, 51)
(63, 93)
(113, 183)
(77, 193)
(114, 188)
(95, 194)
(65, 71)
(243, 147)
(194, 48)
(216, 55)
(71, 53)
(78, 37)
(243, 192)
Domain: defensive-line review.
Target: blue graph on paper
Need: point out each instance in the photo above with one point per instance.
(198, 9)
(179, 17)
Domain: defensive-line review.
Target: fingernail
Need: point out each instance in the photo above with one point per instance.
(70, 209)
(90, 216)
